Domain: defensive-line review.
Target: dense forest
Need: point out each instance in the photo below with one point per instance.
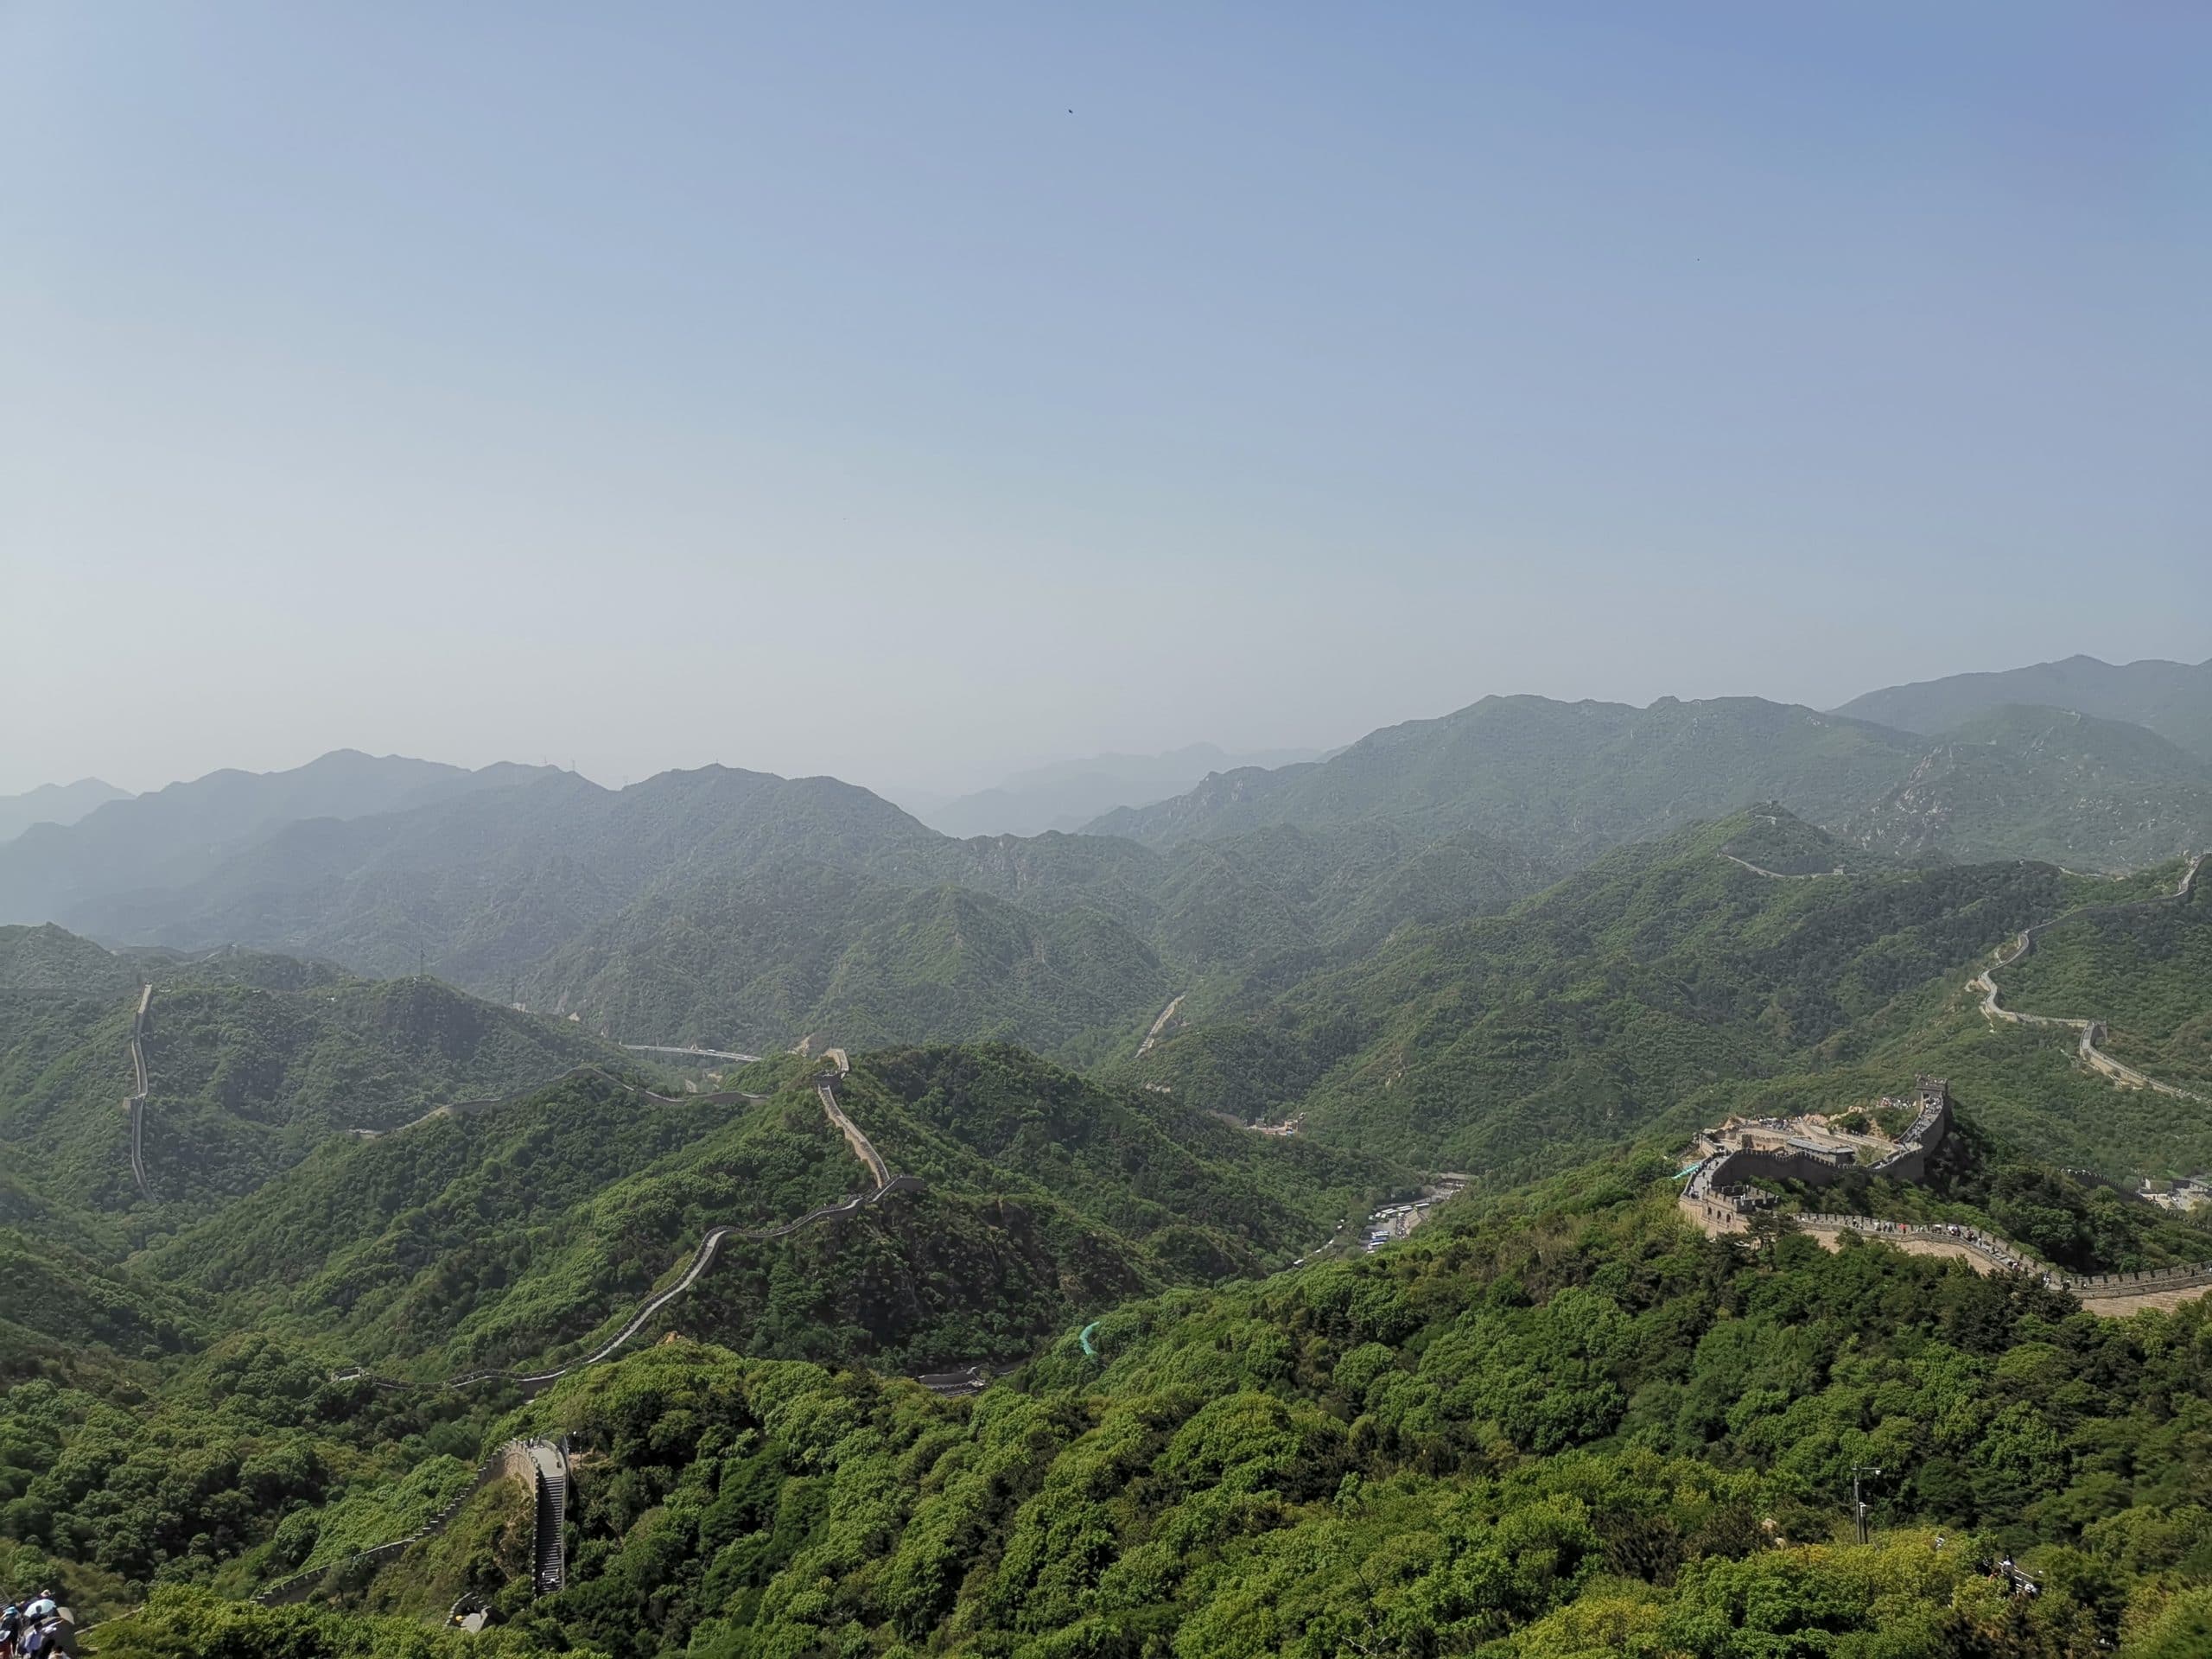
(1558, 1424)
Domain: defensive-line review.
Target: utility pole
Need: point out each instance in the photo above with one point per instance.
(1857, 1504)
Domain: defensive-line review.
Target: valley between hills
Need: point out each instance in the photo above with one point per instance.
(403, 1235)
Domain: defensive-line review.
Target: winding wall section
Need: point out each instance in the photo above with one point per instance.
(2093, 1056)
(137, 1101)
(1706, 1200)
(540, 1465)
(702, 1259)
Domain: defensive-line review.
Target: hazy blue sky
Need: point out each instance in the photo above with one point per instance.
(908, 391)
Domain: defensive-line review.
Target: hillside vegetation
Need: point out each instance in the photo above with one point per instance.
(2045, 783)
(1520, 944)
(1592, 1011)
(526, 1234)
(801, 949)
(1563, 1425)
(252, 1061)
(2147, 973)
(1568, 778)
(750, 911)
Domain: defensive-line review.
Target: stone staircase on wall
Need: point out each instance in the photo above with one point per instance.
(541, 1464)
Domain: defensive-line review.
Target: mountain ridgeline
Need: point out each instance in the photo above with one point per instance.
(753, 912)
(1721, 969)
(1574, 779)
(252, 1061)
(2172, 699)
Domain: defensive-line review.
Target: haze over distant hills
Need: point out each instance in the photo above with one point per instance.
(1068, 794)
(751, 910)
(55, 804)
(2022, 782)
(1574, 778)
(2172, 699)
(171, 835)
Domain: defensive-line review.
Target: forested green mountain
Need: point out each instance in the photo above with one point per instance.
(2018, 782)
(486, 883)
(1559, 1424)
(2147, 973)
(170, 1411)
(1664, 981)
(754, 911)
(1569, 779)
(2172, 699)
(1063, 943)
(69, 872)
(777, 955)
(527, 1233)
(1554, 1420)
(252, 1060)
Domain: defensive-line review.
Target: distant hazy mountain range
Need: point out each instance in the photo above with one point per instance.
(752, 911)
(1068, 794)
(55, 804)
(2172, 699)
(1572, 779)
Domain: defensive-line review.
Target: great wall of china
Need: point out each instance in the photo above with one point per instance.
(1717, 1196)
(1768, 1150)
(137, 1104)
(703, 1257)
(1718, 1199)
(885, 1186)
(545, 1466)
(541, 1466)
(2092, 1030)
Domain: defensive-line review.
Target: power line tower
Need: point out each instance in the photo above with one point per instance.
(1858, 1504)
